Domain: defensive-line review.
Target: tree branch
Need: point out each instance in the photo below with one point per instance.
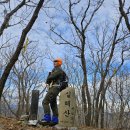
(8, 16)
(65, 41)
(92, 15)
(3, 2)
(84, 16)
(124, 14)
(72, 17)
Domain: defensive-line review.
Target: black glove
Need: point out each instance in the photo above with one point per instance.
(48, 81)
(49, 74)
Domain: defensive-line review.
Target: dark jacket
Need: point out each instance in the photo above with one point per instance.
(55, 76)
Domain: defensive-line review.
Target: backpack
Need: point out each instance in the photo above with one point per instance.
(64, 81)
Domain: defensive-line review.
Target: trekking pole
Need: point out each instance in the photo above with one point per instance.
(44, 89)
(47, 86)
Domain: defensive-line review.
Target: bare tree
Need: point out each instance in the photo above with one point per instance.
(119, 94)
(80, 23)
(94, 106)
(24, 77)
(20, 44)
(103, 60)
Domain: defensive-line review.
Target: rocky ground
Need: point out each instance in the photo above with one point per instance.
(13, 124)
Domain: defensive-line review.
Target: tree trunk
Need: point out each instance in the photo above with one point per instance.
(84, 103)
(93, 113)
(27, 104)
(85, 83)
(102, 114)
(97, 102)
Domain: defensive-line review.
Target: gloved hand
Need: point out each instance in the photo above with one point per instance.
(49, 73)
(48, 81)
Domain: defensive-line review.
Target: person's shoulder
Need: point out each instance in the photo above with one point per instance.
(58, 68)
(63, 71)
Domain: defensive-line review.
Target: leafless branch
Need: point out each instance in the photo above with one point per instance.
(65, 41)
(5, 1)
(124, 14)
(8, 16)
(72, 17)
(93, 13)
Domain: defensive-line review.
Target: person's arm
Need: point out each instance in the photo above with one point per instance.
(48, 81)
(54, 75)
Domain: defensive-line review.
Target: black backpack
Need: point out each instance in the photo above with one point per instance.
(64, 81)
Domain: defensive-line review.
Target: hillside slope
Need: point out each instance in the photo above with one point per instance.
(13, 124)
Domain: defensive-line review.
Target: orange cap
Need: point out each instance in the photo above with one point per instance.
(59, 60)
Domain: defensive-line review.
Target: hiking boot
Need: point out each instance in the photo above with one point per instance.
(54, 120)
(46, 118)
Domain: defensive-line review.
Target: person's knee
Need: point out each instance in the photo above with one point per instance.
(45, 102)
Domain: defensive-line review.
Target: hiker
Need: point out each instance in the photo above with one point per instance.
(53, 80)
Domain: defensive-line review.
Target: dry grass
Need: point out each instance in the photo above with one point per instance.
(13, 124)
